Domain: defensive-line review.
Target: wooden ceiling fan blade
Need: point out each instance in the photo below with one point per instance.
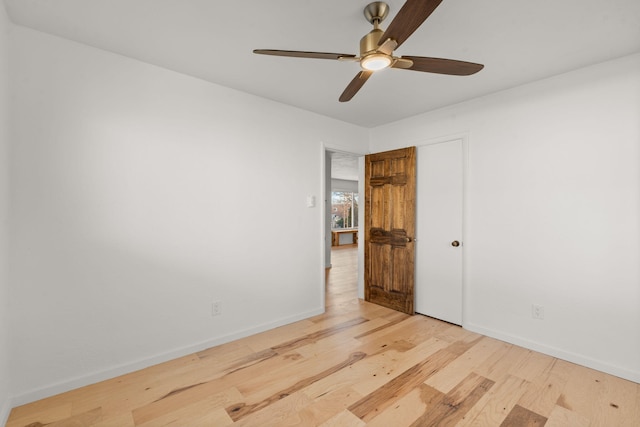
(303, 54)
(442, 66)
(354, 86)
(410, 16)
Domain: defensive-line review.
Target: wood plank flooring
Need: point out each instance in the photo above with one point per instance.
(356, 365)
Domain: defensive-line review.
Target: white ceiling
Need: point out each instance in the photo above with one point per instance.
(518, 41)
(344, 166)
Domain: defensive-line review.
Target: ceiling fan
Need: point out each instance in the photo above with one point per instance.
(376, 47)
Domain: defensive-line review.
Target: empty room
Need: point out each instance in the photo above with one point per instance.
(171, 252)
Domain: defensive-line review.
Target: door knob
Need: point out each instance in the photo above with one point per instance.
(408, 239)
(455, 243)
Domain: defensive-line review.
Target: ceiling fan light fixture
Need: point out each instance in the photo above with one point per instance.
(375, 62)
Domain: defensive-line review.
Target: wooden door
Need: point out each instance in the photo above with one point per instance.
(439, 231)
(389, 251)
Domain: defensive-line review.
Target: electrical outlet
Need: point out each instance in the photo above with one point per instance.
(216, 308)
(537, 311)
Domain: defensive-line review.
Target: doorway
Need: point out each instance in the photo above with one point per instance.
(343, 172)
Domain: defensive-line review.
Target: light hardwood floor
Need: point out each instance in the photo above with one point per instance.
(358, 364)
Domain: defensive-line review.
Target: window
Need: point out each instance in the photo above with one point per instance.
(344, 209)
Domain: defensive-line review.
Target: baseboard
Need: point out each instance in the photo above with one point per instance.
(5, 410)
(83, 380)
(556, 352)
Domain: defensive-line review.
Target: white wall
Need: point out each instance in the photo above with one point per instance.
(4, 210)
(552, 211)
(143, 195)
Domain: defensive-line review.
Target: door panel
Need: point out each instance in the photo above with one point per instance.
(439, 212)
(389, 229)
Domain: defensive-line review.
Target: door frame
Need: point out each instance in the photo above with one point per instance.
(464, 137)
(325, 195)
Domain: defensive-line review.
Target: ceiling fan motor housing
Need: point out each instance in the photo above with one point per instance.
(369, 43)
